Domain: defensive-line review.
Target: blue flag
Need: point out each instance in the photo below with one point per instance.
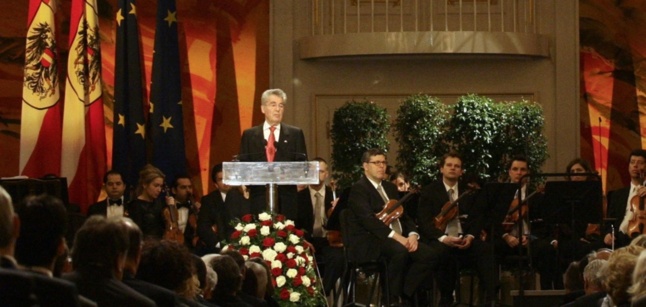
(129, 147)
(166, 123)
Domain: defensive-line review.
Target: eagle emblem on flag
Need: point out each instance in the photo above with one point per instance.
(41, 70)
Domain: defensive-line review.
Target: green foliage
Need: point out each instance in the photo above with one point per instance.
(357, 126)
(474, 132)
(419, 129)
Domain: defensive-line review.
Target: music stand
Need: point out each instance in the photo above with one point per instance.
(270, 174)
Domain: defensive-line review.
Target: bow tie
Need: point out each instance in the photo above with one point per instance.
(186, 205)
(116, 202)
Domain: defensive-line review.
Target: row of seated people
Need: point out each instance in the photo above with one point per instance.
(112, 265)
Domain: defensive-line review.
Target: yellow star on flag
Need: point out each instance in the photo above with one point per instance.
(166, 123)
(133, 9)
(152, 106)
(122, 120)
(119, 17)
(171, 18)
(141, 129)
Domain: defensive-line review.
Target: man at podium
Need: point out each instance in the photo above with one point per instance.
(273, 141)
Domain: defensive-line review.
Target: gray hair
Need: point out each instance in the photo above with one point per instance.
(276, 92)
(6, 218)
(593, 272)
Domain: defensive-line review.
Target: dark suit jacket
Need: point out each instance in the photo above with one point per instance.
(617, 210)
(106, 291)
(305, 219)
(366, 231)
(434, 196)
(17, 288)
(215, 211)
(289, 147)
(161, 296)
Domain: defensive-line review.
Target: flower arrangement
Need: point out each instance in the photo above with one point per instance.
(276, 240)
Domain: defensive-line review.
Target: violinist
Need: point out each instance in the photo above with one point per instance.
(458, 236)
(146, 209)
(187, 209)
(619, 201)
(410, 262)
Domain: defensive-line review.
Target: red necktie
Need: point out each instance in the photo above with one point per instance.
(271, 148)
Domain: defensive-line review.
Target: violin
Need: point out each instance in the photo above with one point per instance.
(450, 208)
(171, 231)
(514, 213)
(393, 209)
(637, 224)
(192, 220)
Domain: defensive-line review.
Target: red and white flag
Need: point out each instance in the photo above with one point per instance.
(84, 151)
(40, 129)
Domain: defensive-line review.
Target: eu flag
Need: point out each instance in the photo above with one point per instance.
(166, 123)
(129, 151)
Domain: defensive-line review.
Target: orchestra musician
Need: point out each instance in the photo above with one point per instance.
(146, 209)
(457, 238)
(619, 201)
(410, 262)
(187, 209)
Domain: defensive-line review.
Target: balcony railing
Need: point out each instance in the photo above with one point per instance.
(428, 22)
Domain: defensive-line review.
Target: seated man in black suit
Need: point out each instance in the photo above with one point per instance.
(38, 283)
(218, 208)
(458, 237)
(187, 209)
(113, 205)
(410, 262)
(315, 204)
(273, 141)
(99, 254)
(161, 296)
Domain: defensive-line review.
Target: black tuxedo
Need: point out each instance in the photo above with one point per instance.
(290, 146)
(215, 211)
(161, 296)
(101, 208)
(369, 239)
(106, 291)
(472, 208)
(617, 202)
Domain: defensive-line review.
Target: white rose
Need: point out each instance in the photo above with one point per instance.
(239, 227)
(294, 239)
(244, 240)
(254, 249)
(280, 281)
(264, 216)
(289, 222)
(291, 273)
(269, 254)
(300, 261)
(294, 297)
(226, 248)
(276, 264)
(299, 249)
(290, 255)
(280, 247)
(279, 225)
(265, 231)
(249, 227)
(306, 281)
(245, 257)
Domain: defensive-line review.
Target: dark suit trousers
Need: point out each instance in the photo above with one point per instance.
(408, 270)
(479, 254)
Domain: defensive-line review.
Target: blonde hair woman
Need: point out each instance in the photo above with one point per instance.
(146, 209)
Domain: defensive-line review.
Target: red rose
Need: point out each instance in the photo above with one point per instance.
(276, 272)
(244, 251)
(291, 263)
(267, 223)
(301, 271)
(255, 255)
(310, 290)
(298, 232)
(235, 235)
(247, 218)
(291, 249)
(252, 233)
(281, 233)
(268, 242)
(273, 282)
(289, 227)
(284, 294)
(297, 281)
(281, 257)
(280, 218)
